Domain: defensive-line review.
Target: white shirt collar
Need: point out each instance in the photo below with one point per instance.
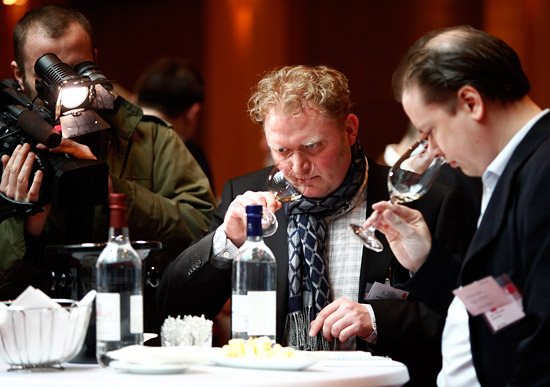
(494, 170)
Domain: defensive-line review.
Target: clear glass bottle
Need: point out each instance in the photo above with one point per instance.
(254, 296)
(119, 300)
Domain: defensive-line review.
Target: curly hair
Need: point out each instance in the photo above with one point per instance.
(292, 88)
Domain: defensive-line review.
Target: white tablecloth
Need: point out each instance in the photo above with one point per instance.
(383, 372)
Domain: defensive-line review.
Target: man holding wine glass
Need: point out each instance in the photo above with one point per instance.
(322, 268)
(466, 91)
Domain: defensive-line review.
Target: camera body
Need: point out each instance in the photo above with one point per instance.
(67, 181)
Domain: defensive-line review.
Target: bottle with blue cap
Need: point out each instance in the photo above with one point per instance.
(254, 297)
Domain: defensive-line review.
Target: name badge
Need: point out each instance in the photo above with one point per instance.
(498, 300)
(379, 291)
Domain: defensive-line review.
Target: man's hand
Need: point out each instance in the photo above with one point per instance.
(341, 320)
(235, 218)
(80, 151)
(15, 185)
(405, 230)
(16, 174)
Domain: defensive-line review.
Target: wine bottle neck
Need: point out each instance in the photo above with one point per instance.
(118, 225)
(254, 238)
(254, 227)
(116, 232)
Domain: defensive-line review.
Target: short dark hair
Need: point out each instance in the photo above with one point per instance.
(466, 56)
(170, 85)
(53, 19)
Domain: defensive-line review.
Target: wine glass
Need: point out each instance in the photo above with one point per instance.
(287, 181)
(408, 180)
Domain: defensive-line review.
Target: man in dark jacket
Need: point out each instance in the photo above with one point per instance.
(467, 92)
(305, 113)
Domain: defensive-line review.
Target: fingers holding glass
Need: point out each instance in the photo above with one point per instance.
(408, 180)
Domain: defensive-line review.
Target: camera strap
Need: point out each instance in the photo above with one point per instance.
(18, 208)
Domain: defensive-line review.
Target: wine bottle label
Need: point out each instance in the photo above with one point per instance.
(136, 314)
(263, 316)
(108, 316)
(239, 313)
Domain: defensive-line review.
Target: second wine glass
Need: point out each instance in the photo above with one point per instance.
(287, 181)
(408, 180)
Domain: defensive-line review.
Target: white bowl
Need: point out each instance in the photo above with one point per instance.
(41, 338)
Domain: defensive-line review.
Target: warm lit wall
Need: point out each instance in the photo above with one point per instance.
(243, 38)
(524, 26)
(234, 41)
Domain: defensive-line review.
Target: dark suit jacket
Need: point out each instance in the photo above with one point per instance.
(193, 285)
(513, 238)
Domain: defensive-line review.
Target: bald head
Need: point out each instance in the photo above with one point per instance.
(443, 61)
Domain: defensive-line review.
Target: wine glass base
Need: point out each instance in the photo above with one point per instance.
(269, 223)
(36, 368)
(367, 237)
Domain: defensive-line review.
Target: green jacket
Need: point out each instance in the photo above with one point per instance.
(169, 199)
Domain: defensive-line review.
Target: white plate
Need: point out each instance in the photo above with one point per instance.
(147, 368)
(295, 363)
(141, 354)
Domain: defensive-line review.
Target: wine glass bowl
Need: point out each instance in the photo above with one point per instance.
(285, 184)
(413, 174)
(287, 181)
(408, 180)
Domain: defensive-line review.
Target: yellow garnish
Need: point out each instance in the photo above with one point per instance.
(259, 348)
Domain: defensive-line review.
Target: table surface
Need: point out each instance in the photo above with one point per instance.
(375, 372)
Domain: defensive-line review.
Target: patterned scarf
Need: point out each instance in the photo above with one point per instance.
(309, 289)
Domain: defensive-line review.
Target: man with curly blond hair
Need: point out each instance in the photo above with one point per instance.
(321, 286)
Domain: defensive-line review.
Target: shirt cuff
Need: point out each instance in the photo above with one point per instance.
(372, 337)
(223, 250)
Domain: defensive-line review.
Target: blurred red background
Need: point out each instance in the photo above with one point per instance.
(233, 42)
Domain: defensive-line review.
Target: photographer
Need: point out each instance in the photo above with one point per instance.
(169, 197)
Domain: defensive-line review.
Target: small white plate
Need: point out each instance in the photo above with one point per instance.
(134, 368)
(141, 354)
(295, 363)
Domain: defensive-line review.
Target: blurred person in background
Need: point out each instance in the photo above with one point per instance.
(173, 90)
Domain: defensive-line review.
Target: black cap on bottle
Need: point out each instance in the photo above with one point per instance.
(254, 220)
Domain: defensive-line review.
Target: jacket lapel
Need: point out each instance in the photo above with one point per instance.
(493, 218)
(375, 265)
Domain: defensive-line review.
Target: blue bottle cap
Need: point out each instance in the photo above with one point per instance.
(254, 209)
(254, 221)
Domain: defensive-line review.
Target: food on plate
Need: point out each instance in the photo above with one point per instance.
(259, 348)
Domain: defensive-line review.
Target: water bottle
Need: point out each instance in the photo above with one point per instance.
(254, 296)
(119, 300)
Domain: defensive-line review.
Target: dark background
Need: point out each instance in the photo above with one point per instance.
(233, 42)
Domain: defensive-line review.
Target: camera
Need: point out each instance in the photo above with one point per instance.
(67, 181)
